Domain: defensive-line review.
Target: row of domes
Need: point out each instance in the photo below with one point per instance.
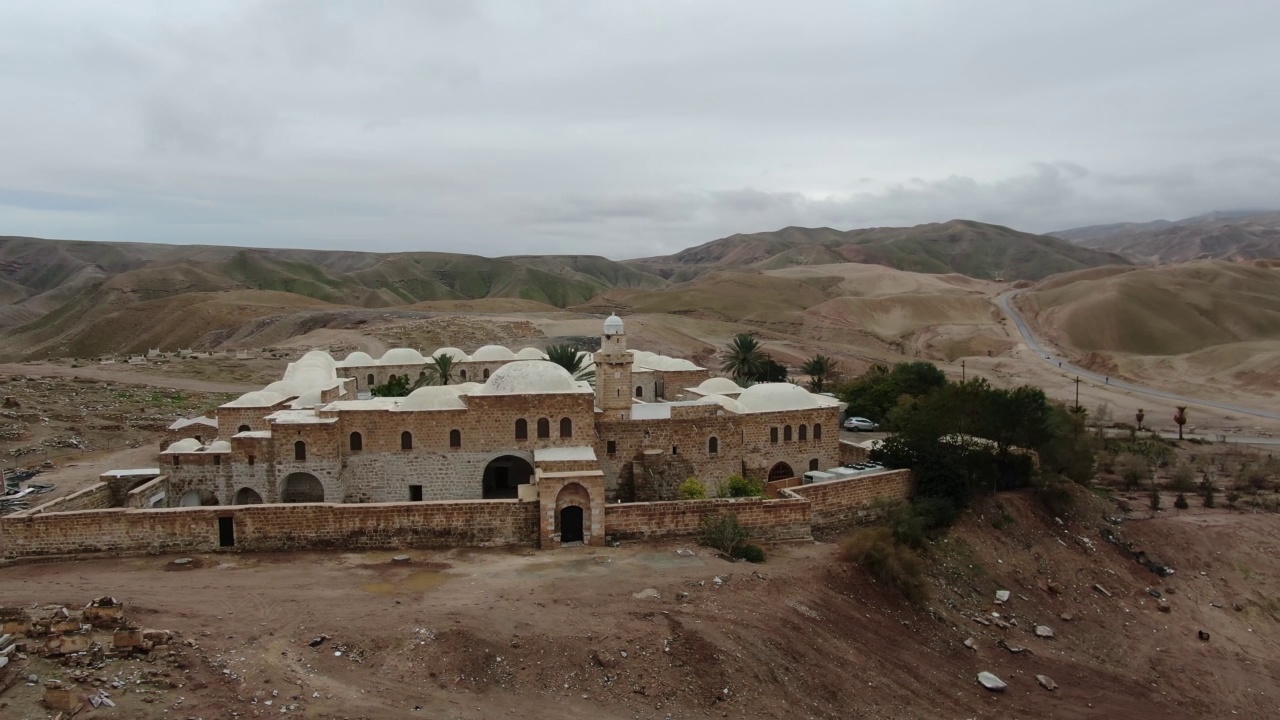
(409, 356)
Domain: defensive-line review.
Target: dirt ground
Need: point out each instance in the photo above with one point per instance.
(642, 632)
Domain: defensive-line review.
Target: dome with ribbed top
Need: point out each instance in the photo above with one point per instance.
(529, 378)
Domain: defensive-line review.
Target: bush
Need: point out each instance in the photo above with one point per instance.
(1055, 496)
(1133, 469)
(898, 567)
(751, 553)
(692, 489)
(738, 486)
(723, 532)
(1181, 502)
(1155, 500)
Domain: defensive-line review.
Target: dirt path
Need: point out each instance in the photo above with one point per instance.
(116, 373)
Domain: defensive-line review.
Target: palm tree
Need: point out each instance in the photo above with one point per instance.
(744, 360)
(569, 358)
(440, 372)
(1180, 417)
(821, 369)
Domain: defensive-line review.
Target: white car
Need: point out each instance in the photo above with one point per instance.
(859, 423)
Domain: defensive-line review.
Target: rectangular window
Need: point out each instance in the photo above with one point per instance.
(415, 493)
(675, 450)
(773, 435)
(611, 447)
(251, 459)
(217, 459)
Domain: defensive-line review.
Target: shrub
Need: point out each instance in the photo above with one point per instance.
(1155, 500)
(1206, 494)
(738, 486)
(1055, 495)
(692, 489)
(1183, 478)
(1181, 502)
(723, 532)
(751, 553)
(898, 567)
(1133, 469)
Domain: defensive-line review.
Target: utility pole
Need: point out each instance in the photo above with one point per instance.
(962, 377)
(1077, 392)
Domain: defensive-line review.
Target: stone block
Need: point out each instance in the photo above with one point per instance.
(68, 700)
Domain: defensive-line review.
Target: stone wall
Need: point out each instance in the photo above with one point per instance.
(140, 497)
(273, 528)
(850, 453)
(765, 520)
(846, 502)
(94, 497)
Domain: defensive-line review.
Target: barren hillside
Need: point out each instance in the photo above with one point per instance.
(1220, 236)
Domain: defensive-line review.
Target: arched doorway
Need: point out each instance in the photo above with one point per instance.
(573, 513)
(780, 471)
(503, 475)
(247, 496)
(301, 488)
(571, 524)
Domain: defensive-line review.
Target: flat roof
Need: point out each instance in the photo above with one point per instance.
(377, 403)
(128, 473)
(253, 434)
(658, 411)
(184, 422)
(299, 417)
(563, 454)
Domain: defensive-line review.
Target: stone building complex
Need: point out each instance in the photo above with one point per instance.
(514, 426)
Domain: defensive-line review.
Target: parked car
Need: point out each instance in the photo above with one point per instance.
(857, 424)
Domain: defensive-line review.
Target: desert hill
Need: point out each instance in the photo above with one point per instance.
(87, 298)
(1219, 236)
(970, 248)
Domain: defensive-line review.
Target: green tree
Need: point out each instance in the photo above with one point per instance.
(1133, 470)
(879, 390)
(745, 359)
(692, 489)
(821, 370)
(439, 371)
(569, 358)
(1180, 417)
(1183, 478)
(395, 386)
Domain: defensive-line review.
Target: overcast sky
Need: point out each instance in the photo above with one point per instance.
(624, 128)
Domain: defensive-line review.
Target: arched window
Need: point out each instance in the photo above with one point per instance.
(406, 440)
(371, 382)
(299, 451)
(486, 373)
(522, 429)
(243, 428)
(813, 464)
(639, 391)
(357, 442)
(391, 378)
(422, 375)
(803, 432)
(462, 374)
(713, 445)
(176, 462)
(773, 435)
(455, 438)
(817, 431)
(786, 433)
(544, 428)
(566, 427)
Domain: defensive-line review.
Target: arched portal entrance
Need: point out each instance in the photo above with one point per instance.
(503, 476)
(301, 488)
(571, 524)
(247, 496)
(780, 471)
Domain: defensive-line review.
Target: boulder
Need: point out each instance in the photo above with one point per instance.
(1002, 597)
(1044, 631)
(991, 682)
(1046, 682)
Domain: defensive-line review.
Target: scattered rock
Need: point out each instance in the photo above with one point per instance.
(1002, 597)
(1067, 617)
(1044, 631)
(971, 644)
(1153, 593)
(1046, 682)
(1055, 588)
(401, 559)
(982, 621)
(318, 640)
(182, 562)
(991, 682)
(684, 552)
(682, 596)
(1203, 635)
(1163, 606)
(1015, 649)
(645, 594)
(1238, 607)
(717, 581)
(1102, 590)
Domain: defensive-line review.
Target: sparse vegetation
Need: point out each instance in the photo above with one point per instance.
(751, 553)
(738, 486)
(692, 489)
(572, 360)
(822, 372)
(395, 386)
(1133, 469)
(723, 532)
(896, 565)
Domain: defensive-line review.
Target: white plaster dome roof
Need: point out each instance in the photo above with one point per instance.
(284, 387)
(219, 446)
(258, 398)
(317, 357)
(529, 378)
(662, 362)
(184, 445)
(465, 388)
(359, 359)
(727, 403)
(402, 356)
(433, 397)
(613, 325)
(453, 352)
(530, 353)
(492, 353)
(718, 386)
(308, 399)
(776, 397)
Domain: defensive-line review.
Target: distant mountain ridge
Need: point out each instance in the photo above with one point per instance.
(1235, 235)
(975, 249)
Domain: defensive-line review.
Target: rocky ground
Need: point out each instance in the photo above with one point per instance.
(644, 632)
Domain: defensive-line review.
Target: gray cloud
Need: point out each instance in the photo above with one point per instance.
(511, 127)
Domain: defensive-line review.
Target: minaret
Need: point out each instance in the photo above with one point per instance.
(613, 372)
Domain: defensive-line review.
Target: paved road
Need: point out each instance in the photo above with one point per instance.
(1050, 358)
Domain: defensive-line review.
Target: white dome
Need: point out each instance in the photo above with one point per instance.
(662, 362)
(530, 354)
(359, 359)
(642, 355)
(309, 378)
(308, 399)
(184, 445)
(727, 403)
(402, 356)
(465, 388)
(528, 378)
(317, 357)
(259, 398)
(718, 386)
(287, 388)
(776, 397)
(613, 325)
(492, 353)
(218, 446)
(453, 352)
(432, 397)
